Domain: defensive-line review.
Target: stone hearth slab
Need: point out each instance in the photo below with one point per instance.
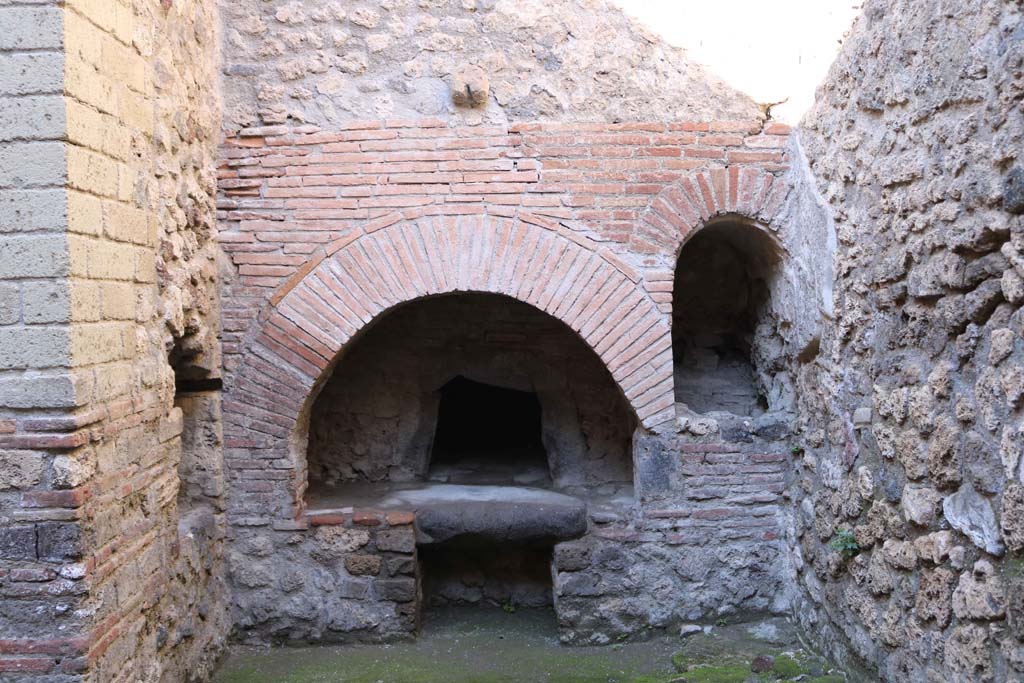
(452, 512)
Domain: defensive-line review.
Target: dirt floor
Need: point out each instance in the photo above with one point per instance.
(489, 645)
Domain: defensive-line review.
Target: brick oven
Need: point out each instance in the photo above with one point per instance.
(315, 314)
(451, 375)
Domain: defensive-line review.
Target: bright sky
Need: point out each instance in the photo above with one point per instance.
(770, 50)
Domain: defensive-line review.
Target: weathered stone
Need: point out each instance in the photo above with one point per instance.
(470, 86)
(900, 554)
(912, 454)
(945, 454)
(979, 594)
(398, 590)
(879, 575)
(18, 542)
(248, 573)
(399, 540)
(570, 557)
(499, 514)
(333, 543)
(395, 566)
(934, 547)
(967, 651)
(972, 515)
(57, 542)
(363, 565)
(20, 469)
(933, 596)
(580, 584)
(920, 504)
(1015, 607)
(71, 471)
(1013, 190)
(891, 214)
(1011, 518)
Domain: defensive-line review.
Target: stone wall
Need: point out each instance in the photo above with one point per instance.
(42, 629)
(702, 545)
(294, 61)
(911, 413)
(119, 590)
(345, 575)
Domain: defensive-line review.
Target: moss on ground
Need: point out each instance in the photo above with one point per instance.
(787, 667)
(524, 648)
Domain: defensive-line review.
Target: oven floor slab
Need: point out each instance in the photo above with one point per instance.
(453, 512)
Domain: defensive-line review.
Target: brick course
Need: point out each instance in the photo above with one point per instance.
(468, 198)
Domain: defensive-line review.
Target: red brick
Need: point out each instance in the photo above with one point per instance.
(368, 517)
(71, 498)
(26, 664)
(400, 518)
(326, 519)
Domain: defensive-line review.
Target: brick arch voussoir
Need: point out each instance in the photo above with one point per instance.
(395, 260)
(682, 208)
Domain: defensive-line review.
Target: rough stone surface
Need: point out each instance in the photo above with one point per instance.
(972, 515)
(104, 575)
(470, 86)
(916, 159)
(20, 469)
(491, 514)
(567, 60)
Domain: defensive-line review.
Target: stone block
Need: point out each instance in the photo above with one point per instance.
(37, 117)
(34, 347)
(572, 557)
(363, 565)
(979, 594)
(972, 515)
(353, 589)
(17, 542)
(32, 255)
(333, 543)
(934, 595)
(920, 504)
(1013, 190)
(395, 566)
(20, 469)
(10, 303)
(47, 302)
(32, 73)
(59, 542)
(580, 584)
(47, 391)
(31, 28)
(397, 590)
(399, 540)
(32, 210)
(470, 86)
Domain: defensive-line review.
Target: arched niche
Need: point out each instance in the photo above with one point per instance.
(472, 362)
(723, 325)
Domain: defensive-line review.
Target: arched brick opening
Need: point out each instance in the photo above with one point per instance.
(718, 229)
(468, 388)
(721, 301)
(696, 199)
(321, 310)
